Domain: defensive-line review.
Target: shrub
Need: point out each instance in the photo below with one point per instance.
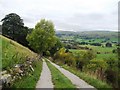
(98, 67)
(65, 57)
(112, 72)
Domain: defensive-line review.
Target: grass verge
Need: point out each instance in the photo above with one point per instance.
(30, 80)
(100, 85)
(60, 81)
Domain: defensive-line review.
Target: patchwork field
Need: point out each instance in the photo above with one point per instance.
(105, 52)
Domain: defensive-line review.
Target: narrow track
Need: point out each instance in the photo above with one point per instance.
(80, 84)
(45, 80)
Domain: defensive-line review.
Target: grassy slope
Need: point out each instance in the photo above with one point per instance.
(14, 53)
(59, 80)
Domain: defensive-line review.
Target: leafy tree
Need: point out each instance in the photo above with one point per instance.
(42, 38)
(13, 27)
(64, 57)
(83, 58)
(22, 37)
(57, 47)
(97, 64)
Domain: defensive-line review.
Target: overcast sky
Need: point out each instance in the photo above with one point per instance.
(74, 15)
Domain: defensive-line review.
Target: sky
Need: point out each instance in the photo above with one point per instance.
(71, 15)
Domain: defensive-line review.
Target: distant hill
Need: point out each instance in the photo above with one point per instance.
(102, 34)
(109, 36)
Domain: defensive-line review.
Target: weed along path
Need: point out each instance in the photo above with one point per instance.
(79, 83)
(45, 80)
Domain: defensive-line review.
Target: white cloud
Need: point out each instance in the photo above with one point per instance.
(66, 14)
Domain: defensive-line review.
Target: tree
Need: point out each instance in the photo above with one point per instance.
(83, 58)
(57, 47)
(22, 37)
(42, 38)
(65, 57)
(12, 26)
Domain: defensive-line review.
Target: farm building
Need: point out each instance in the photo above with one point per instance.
(108, 44)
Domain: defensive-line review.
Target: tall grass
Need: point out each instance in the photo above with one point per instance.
(13, 53)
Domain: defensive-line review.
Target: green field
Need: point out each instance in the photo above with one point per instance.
(89, 36)
(105, 52)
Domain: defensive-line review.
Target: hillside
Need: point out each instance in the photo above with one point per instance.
(13, 53)
(92, 34)
(89, 36)
(18, 62)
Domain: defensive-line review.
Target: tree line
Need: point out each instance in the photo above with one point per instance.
(40, 39)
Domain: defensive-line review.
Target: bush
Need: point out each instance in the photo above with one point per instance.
(70, 60)
(112, 77)
(79, 59)
(98, 67)
(65, 57)
(96, 44)
(112, 72)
